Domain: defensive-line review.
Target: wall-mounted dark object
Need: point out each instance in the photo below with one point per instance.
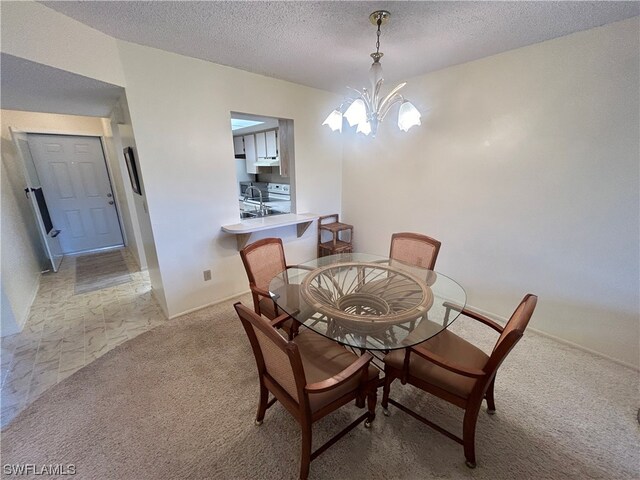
(130, 160)
(42, 206)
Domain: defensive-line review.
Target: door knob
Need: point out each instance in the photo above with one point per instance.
(110, 202)
(109, 195)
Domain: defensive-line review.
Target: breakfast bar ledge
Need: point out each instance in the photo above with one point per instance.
(244, 229)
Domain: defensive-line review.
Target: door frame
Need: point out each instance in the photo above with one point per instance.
(110, 174)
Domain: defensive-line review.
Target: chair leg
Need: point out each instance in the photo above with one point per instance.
(388, 379)
(262, 406)
(469, 433)
(294, 329)
(371, 405)
(305, 456)
(491, 406)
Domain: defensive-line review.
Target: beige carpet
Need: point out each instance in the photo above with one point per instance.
(179, 402)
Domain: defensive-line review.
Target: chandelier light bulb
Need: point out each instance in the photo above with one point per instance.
(408, 116)
(364, 127)
(334, 121)
(356, 113)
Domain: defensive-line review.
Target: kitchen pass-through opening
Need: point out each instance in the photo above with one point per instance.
(264, 156)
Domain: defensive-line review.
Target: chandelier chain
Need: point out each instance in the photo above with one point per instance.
(378, 34)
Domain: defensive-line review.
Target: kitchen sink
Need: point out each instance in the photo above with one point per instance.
(255, 214)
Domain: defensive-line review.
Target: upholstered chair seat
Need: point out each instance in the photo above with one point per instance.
(444, 344)
(323, 358)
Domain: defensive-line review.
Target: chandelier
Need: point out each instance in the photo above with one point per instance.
(369, 108)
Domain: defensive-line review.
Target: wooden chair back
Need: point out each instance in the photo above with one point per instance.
(414, 249)
(263, 260)
(277, 359)
(512, 332)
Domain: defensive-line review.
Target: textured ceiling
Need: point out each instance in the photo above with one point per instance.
(34, 87)
(327, 44)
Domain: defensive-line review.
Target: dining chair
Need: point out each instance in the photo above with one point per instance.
(453, 369)
(414, 249)
(262, 261)
(311, 376)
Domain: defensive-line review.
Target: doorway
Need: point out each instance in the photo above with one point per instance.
(72, 171)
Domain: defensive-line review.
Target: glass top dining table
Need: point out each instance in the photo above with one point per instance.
(366, 301)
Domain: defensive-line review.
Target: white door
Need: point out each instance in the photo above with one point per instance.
(46, 228)
(74, 178)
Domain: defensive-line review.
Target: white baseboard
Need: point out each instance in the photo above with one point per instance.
(160, 304)
(585, 349)
(503, 321)
(226, 299)
(493, 316)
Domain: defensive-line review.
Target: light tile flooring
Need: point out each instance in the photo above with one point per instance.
(65, 332)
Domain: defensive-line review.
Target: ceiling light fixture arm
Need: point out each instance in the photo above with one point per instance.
(397, 98)
(391, 96)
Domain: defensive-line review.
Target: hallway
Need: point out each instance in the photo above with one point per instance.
(67, 330)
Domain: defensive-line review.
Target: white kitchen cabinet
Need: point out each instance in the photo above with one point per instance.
(250, 152)
(271, 139)
(267, 144)
(261, 144)
(238, 146)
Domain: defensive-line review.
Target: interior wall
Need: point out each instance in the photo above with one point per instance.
(136, 219)
(8, 322)
(180, 109)
(20, 249)
(148, 252)
(526, 167)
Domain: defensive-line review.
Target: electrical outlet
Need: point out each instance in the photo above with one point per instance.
(207, 275)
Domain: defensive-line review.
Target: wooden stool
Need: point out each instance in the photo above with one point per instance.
(331, 223)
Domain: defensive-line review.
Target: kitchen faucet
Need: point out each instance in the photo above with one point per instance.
(263, 210)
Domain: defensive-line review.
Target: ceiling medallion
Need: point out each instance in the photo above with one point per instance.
(369, 109)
